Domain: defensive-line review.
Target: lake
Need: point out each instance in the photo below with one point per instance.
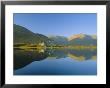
(55, 62)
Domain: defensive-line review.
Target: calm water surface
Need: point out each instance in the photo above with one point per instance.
(55, 62)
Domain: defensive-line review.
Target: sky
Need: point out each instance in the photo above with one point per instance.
(63, 24)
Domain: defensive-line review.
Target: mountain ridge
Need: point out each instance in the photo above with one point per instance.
(23, 35)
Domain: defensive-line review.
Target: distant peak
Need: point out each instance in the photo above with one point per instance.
(81, 36)
(50, 36)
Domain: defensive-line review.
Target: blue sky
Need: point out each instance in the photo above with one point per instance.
(64, 24)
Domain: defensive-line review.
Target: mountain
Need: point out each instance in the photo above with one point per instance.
(23, 35)
(77, 36)
(59, 40)
(94, 36)
(82, 39)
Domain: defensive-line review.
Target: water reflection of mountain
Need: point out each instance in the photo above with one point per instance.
(56, 53)
(81, 55)
(25, 57)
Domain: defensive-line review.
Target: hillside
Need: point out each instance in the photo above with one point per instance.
(59, 40)
(82, 39)
(23, 35)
